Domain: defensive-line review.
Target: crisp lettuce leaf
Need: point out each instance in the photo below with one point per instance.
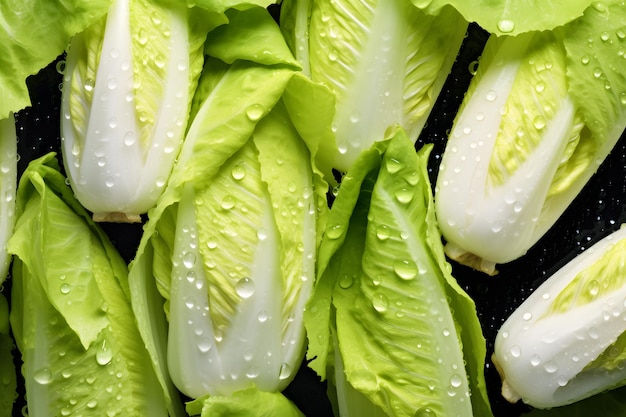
(506, 17)
(385, 298)
(8, 183)
(151, 270)
(595, 59)
(8, 378)
(32, 35)
(565, 342)
(228, 252)
(244, 403)
(127, 89)
(541, 114)
(611, 404)
(386, 63)
(249, 35)
(71, 316)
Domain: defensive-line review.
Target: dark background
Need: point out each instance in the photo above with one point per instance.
(597, 211)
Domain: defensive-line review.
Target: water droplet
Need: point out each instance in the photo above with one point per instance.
(456, 381)
(342, 147)
(346, 281)
(539, 122)
(492, 95)
(285, 371)
(160, 182)
(238, 172)
(65, 288)
(506, 25)
(159, 61)
(334, 232)
(182, 65)
(496, 227)
(228, 202)
(393, 165)
(255, 112)
(89, 84)
(262, 316)
(93, 403)
(190, 302)
(156, 18)
(245, 287)
(516, 351)
(594, 288)
(473, 67)
(535, 360)
(60, 67)
(189, 259)
(111, 83)
(109, 182)
(142, 36)
(404, 195)
(43, 376)
(425, 411)
(129, 138)
(527, 316)
(380, 302)
(104, 354)
(540, 86)
(204, 345)
(405, 268)
(383, 232)
(261, 234)
(550, 367)
(252, 372)
(597, 72)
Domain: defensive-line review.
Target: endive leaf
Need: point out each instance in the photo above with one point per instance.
(72, 319)
(507, 17)
(32, 35)
(384, 61)
(383, 271)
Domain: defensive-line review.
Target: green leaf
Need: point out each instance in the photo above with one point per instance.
(251, 34)
(8, 378)
(612, 404)
(311, 109)
(506, 17)
(231, 243)
(30, 42)
(71, 315)
(382, 264)
(127, 90)
(246, 403)
(595, 57)
(566, 341)
(384, 61)
(8, 184)
(225, 116)
(46, 230)
(540, 116)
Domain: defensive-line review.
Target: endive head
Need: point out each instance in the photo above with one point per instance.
(385, 61)
(540, 115)
(126, 96)
(566, 341)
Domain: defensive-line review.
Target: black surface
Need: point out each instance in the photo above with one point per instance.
(598, 210)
